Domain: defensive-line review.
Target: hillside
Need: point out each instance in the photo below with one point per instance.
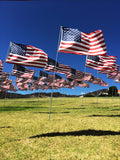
(55, 94)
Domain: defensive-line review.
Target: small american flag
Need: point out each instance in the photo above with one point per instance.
(112, 75)
(82, 84)
(75, 74)
(23, 80)
(1, 66)
(22, 72)
(77, 42)
(43, 74)
(4, 75)
(26, 55)
(102, 83)
(94, 62)
(108, 60)
(53, 66)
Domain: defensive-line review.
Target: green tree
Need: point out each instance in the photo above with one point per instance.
(113, 91)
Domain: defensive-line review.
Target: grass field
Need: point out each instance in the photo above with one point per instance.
(78, 129)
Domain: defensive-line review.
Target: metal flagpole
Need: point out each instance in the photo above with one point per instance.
(54, 73)
(97, 89)
(83, 80)
(3, 66)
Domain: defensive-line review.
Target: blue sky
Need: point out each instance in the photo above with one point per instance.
(38, 23)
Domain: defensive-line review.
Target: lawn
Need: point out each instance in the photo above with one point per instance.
(78, 129)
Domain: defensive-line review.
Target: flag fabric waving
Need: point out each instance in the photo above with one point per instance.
(108, 60)
(94, 62)
(76, 42)
(22, 72)
(26, 55)
(1, 66)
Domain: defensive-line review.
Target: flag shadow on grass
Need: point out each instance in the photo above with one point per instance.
(13, 108)
(94, 115)
(5, 127)
(51, 112)
(76, 108)
(89, 132)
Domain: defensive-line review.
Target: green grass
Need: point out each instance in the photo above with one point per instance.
(78, 129)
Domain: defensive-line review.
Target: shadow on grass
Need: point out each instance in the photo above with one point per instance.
(76, 108)
(51, 112)
(104, 115)
(115, 105)
(115, 109)
(12, 108)
(5, 127)
(88, 132)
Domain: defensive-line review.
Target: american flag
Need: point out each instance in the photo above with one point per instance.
(87, 76)
(102, 83)
(26, 55)
(4, 75)
(108, 60)
(1, 66)
(75, 74)
(109, 69)
(22, 72)
(112, 75)
(101, 62)
(94, 62)
(117, 76)
(22, 86)
(43, 74)
(77, 42)
(5, 82)
(63, 69)
(96, 80)
(82, 84)
(23, 80)
(10, 87)
(53, 66)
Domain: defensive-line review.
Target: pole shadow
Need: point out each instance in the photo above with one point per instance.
(51, 112)
(94, 115)
(89, 132)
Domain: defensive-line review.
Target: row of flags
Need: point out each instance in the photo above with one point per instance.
(72, 41)
(25, 79)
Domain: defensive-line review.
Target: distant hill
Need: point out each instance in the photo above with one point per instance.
(101, 92)
(33, 95)
(3, 95)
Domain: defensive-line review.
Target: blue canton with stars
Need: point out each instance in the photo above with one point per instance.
(70, 34)
(94, 58)
(18, 49)
(19, 68)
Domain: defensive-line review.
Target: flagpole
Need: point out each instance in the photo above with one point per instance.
(97, 89)
(3, 66)
(54, 73)
(83, 81)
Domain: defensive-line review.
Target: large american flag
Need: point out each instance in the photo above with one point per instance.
(77, 42)
(26, 55)
(22, 72)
